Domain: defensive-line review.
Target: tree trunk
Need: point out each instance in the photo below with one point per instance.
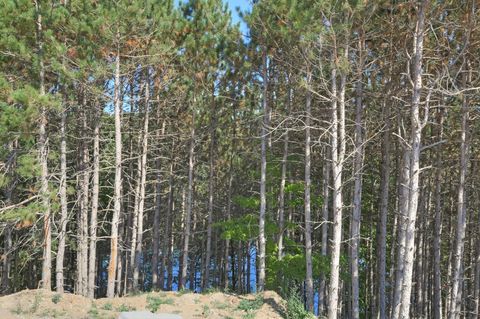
(457, 278)
(93, 215)
(357, 193)
(308, 217)
(338, 153)
(416, 131)
(324, 244)
(156, 281)
(63, 202)
(82, 230)
(186, 234)
(208, 253)
(112, 266)
(437, 275)
(263, 180)
(384, 194)
(142, 181)
(43, 160)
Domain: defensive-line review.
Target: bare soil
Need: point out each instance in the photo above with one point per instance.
(45, 304)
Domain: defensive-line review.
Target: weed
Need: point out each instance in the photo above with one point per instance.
(254, 304)
(154, 302)
(219, 305)
(296, 310)
(56, 298)
(36, 303)
(206, 311)
(123, 308)
(249, 315)
(93, 312)
(107, 306)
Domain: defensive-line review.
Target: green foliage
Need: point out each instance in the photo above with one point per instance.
(123, 308)
(56, 298)
(154, 302)
(245, 228)
(296, 309)
(107, 306)
(251, 305)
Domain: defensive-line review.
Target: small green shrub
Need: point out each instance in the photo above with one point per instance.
(206, 311)
(123, 307)
(154, 302)
(296, 310)
(254, 304)
(219, 305)
(249, 315)
(56, 298)
(107, 306)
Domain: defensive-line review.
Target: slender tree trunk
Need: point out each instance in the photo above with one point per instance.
(416, 131)
(156, 281)
(324, 244)
(384, 194)
(458, 249)
(338, 153)
(357, 195)
(82, 250)
(263, 181)
(142, 181)
(169, 240)
(43, 159)
(308, 217)
(112, 266)
(7, 258)
(437, 275)
(93, 215)
(186, 234)
(63, 202)
(208, 253)
(281, 196)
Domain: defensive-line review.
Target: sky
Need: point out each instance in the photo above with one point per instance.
(244, 5)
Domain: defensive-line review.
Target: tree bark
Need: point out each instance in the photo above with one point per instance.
(63, 202)
(415, 144)
(43, 158)
(357, 193)
(458, 249)
(112, 266)
(338, 153)
(308, 217)
(186, 234)
(92, 262)
(263, 180)
(142, 181)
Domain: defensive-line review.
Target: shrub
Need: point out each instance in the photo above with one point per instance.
(56, 298)
(154, 302)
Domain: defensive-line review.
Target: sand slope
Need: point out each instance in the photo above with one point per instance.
(45, 304)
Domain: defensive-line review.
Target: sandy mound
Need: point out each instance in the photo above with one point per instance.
(45, 304)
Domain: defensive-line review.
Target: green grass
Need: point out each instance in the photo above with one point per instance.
(255, 304)
(154, 302)
(123, 307)
(107, 306)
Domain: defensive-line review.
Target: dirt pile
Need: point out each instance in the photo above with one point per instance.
(45, 304)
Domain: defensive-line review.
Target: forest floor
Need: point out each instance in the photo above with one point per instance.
(45, 304)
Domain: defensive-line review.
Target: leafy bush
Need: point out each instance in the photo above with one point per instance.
(154, 302)
(296, 310)
(56, 298)
(123, 307)
(251, 305)
(107, 306)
